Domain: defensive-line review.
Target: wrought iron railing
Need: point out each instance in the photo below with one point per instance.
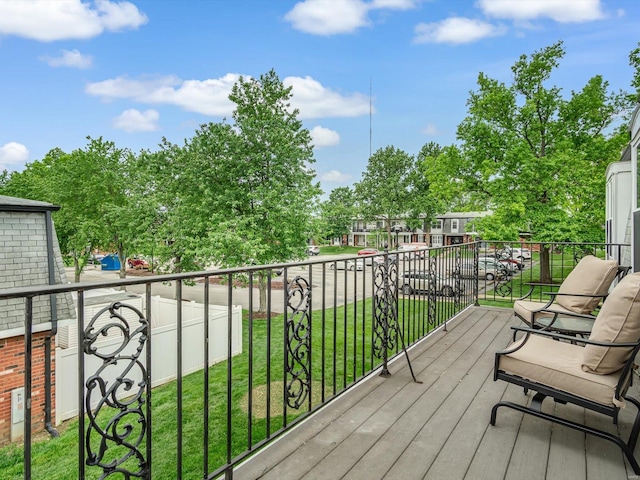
(323, 330)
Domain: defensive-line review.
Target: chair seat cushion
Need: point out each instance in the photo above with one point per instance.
(559, 365)
(525, 308)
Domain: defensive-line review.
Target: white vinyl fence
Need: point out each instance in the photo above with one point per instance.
(163, 346)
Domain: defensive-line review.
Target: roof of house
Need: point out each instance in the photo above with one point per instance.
(15, 204)
(464, 214)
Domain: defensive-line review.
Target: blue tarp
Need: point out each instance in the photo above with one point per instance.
(110, 262)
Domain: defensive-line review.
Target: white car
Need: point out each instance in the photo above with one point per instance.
(351, 265)
(313, 250)
(517, 253)
(492, 263)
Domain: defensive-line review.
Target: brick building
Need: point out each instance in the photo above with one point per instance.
(29, 255)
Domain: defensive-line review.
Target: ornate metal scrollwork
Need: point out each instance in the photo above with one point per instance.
(298, 323)
(458, 285)
(503, 287)
(115, 396)
(385, 314)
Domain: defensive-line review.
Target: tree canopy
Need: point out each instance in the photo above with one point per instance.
(534, 157)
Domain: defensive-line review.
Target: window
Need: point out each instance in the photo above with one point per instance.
(454, 225)
(436, 224)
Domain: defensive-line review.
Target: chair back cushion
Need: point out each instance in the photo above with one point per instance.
(617, 322)
(591, 276)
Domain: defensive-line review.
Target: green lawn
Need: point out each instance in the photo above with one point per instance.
(335, 249)
(340, 353)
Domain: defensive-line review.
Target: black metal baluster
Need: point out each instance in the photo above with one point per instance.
(205, 459)
(179, 403)
(81, 374)
(28, 357)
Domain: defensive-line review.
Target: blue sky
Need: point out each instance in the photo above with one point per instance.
(136, 71)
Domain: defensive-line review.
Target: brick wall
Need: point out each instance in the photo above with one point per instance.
(12, 376)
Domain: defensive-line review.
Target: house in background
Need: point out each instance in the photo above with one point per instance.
(29, 255)
(622, 223)
(454, 228)
(447, 229)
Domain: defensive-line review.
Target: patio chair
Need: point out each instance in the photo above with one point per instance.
(579, 294)
(594, 374)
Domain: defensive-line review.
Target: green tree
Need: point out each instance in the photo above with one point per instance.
(256, 191)
(338, 212)
(537, 159)
(392, 187)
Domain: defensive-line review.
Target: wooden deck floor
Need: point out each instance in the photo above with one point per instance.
(439, 429)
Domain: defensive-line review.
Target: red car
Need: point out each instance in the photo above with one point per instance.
(138, 263)
(368, 251)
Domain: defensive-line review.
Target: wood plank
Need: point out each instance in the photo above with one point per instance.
(567, 451)
(304, 447)
(341, 460)
(492, 457)
(466, 377)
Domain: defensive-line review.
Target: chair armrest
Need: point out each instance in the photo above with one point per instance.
(533, 285)
(558, 294)
(565, 313)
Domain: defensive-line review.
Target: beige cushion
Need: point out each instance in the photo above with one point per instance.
(558, 365)
(525, 308)
(591, 276)
(618, 321)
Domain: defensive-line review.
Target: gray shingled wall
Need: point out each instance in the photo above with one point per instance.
(23, 262)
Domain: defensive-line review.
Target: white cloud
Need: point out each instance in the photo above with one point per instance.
(69, 58)
(393, 4)
(316, 101)
(133, 120)
(330, 17)
(564, 11)
(210, 97)
(335, 176)
(47, 20)
(324, 137)
(12, 154)
(431, 130)
(455, 30)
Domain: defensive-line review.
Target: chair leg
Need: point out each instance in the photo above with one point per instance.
(633, 436)
(627, 448)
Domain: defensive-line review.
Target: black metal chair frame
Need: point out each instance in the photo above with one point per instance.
(543, 391)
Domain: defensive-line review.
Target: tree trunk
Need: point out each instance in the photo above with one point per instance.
(545, 270)
(123, 259)
(262, 288)
(77, 269)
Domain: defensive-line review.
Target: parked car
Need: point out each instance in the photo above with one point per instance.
(516, 253)
(519, 264)
(415, 281)
(137, 263)
(351, 265)
(486, 270)
(495, 263)
(368, 251)
(413, 250)
(313, 250)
